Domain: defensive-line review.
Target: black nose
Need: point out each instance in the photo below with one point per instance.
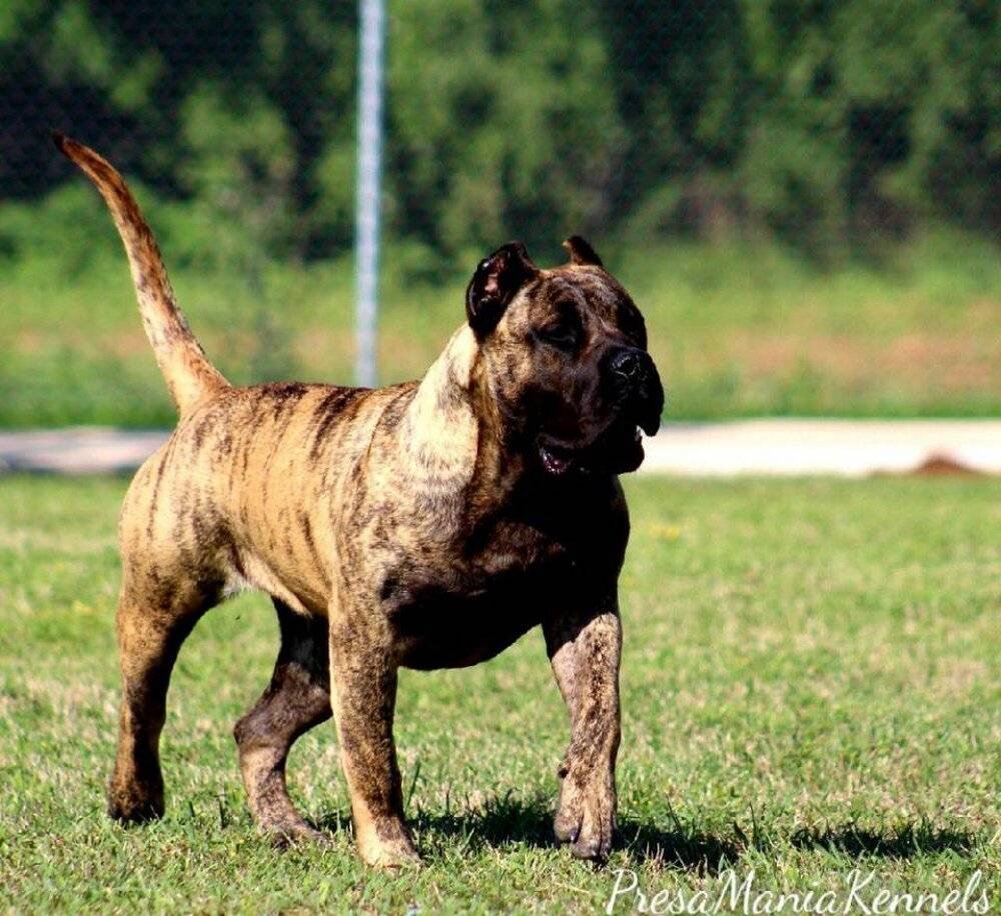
(636, 386)
(628, 365)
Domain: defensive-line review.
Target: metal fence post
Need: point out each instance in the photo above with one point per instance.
(370, 91)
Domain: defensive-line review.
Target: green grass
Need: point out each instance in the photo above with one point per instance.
(738, 329)
(810, 684)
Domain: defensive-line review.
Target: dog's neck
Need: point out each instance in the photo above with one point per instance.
(452, 430)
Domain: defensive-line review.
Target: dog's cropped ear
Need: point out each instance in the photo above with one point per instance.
(581, 252)
(495, 283)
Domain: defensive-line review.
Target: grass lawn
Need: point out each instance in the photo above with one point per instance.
(810, 684)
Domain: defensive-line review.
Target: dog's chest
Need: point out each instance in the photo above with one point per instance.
(457, 609)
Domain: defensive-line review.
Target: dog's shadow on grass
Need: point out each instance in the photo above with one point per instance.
(505, 822)
(906, 841)
(508, 821)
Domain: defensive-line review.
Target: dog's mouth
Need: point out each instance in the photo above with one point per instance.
(618, 450)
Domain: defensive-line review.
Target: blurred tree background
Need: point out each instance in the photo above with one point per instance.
(811, 140)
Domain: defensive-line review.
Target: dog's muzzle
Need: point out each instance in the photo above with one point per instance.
(636, 392)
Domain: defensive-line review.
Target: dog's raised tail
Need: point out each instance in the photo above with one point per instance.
(189, 374)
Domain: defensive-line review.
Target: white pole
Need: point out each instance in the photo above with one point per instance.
(370, 90)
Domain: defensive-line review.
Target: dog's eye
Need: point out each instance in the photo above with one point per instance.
(562, 336)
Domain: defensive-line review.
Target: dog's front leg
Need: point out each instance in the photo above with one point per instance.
(584, 649)
(363, 696)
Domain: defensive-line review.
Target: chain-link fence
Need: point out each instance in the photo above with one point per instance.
(832, 129)
(821, 122)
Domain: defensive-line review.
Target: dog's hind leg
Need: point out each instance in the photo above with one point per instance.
(297, 698)
(154, 618)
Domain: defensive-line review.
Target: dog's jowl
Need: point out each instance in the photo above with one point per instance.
(428, 524)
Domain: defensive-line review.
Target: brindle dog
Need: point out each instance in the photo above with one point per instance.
(426, 525)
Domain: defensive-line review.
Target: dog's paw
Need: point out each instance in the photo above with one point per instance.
(131, 808)
(288, 836)
(391, 850)
(390, 856)
(585, 817)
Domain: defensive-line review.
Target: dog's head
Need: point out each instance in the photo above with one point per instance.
(564, 352)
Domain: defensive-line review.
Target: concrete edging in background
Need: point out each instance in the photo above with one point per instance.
(773, 447)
